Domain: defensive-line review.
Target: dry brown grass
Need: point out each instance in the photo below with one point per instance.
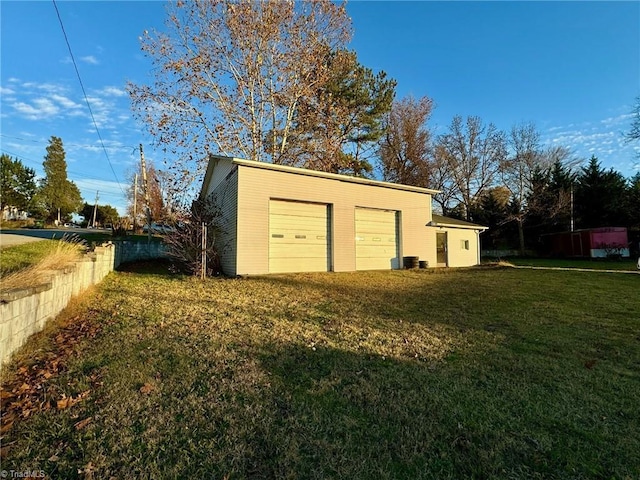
(484, 373)
(62, 256)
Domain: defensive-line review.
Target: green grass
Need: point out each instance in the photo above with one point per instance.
(594, 264)
(477, 373)
(19, 257)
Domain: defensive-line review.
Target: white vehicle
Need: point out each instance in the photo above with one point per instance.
(158, 228)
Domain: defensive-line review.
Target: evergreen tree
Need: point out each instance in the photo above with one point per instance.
(17, 184)
(550, 200)
(493, 209)
(337, 128)
(58, 194)
(633, 202)
(600, 197)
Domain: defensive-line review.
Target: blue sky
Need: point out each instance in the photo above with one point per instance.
(572, 68)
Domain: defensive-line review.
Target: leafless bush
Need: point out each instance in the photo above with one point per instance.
(184, 242)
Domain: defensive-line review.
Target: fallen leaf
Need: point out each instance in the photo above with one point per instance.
(83, 423)
(4, 451)
(147, 388)
(25, 387)
(4, 395)
(5, 428)
(53, 458)
(63, 402)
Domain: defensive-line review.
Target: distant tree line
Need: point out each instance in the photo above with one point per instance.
(506, 181)
(274, 81)
(53, 198)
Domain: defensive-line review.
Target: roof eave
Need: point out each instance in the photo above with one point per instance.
(453, 225)
(311, 173)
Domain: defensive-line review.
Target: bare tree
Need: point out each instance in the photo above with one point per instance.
(473, 154)
(159, 192)
(634, 131)
(231, 74)
(406, 154)
(519, 169)
(442, 180)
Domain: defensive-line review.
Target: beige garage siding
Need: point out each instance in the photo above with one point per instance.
(258, 184)
(376, 239)
(298, 237)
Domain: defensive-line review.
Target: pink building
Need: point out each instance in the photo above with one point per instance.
(592, 243)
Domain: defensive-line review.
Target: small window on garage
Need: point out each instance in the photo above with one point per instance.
(464, 244)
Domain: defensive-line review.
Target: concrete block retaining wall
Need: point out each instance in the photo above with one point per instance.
(24, 312)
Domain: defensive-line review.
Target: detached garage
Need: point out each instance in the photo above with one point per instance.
(278, 219)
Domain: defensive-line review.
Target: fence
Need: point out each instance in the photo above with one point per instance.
(25, 311)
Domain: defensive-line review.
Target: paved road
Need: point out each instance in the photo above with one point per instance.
(9, 238)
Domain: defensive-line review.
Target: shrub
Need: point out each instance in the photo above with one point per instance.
(184, 242)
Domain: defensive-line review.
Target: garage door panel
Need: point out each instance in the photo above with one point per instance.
(304, 224)
(298, 237)
(376, 239)
(287, 250)
(285, 207)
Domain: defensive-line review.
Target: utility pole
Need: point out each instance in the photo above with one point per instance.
(572, 224)
(95, 209)
(135, 203)
(145, 187)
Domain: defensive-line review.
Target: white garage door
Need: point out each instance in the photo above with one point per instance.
(298, 237)
(376, 239)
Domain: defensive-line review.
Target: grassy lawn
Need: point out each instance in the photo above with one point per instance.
(22, 256)
(487, 373)
(595, 264)
(19, 257)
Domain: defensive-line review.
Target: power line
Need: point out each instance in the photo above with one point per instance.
(77, 176)
(27, 160)
(86, 99)
(42, 142)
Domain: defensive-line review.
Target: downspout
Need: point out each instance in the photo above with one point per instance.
(478, 243)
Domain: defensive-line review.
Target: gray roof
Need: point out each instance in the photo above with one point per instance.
(439, 220)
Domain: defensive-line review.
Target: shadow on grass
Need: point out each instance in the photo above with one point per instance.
(156, 267)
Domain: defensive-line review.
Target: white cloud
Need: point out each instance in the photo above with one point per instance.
(6, 91)
(90, 59)
(30, 87)
(40, 109)
(111, 91)
(602, 138)
(620, 119)
(66, 102)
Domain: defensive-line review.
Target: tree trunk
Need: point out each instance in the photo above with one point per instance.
(521, 236)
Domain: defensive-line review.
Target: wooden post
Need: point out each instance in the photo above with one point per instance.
(203, 272)
(145, 187)
(135, 203)
(95, 210)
